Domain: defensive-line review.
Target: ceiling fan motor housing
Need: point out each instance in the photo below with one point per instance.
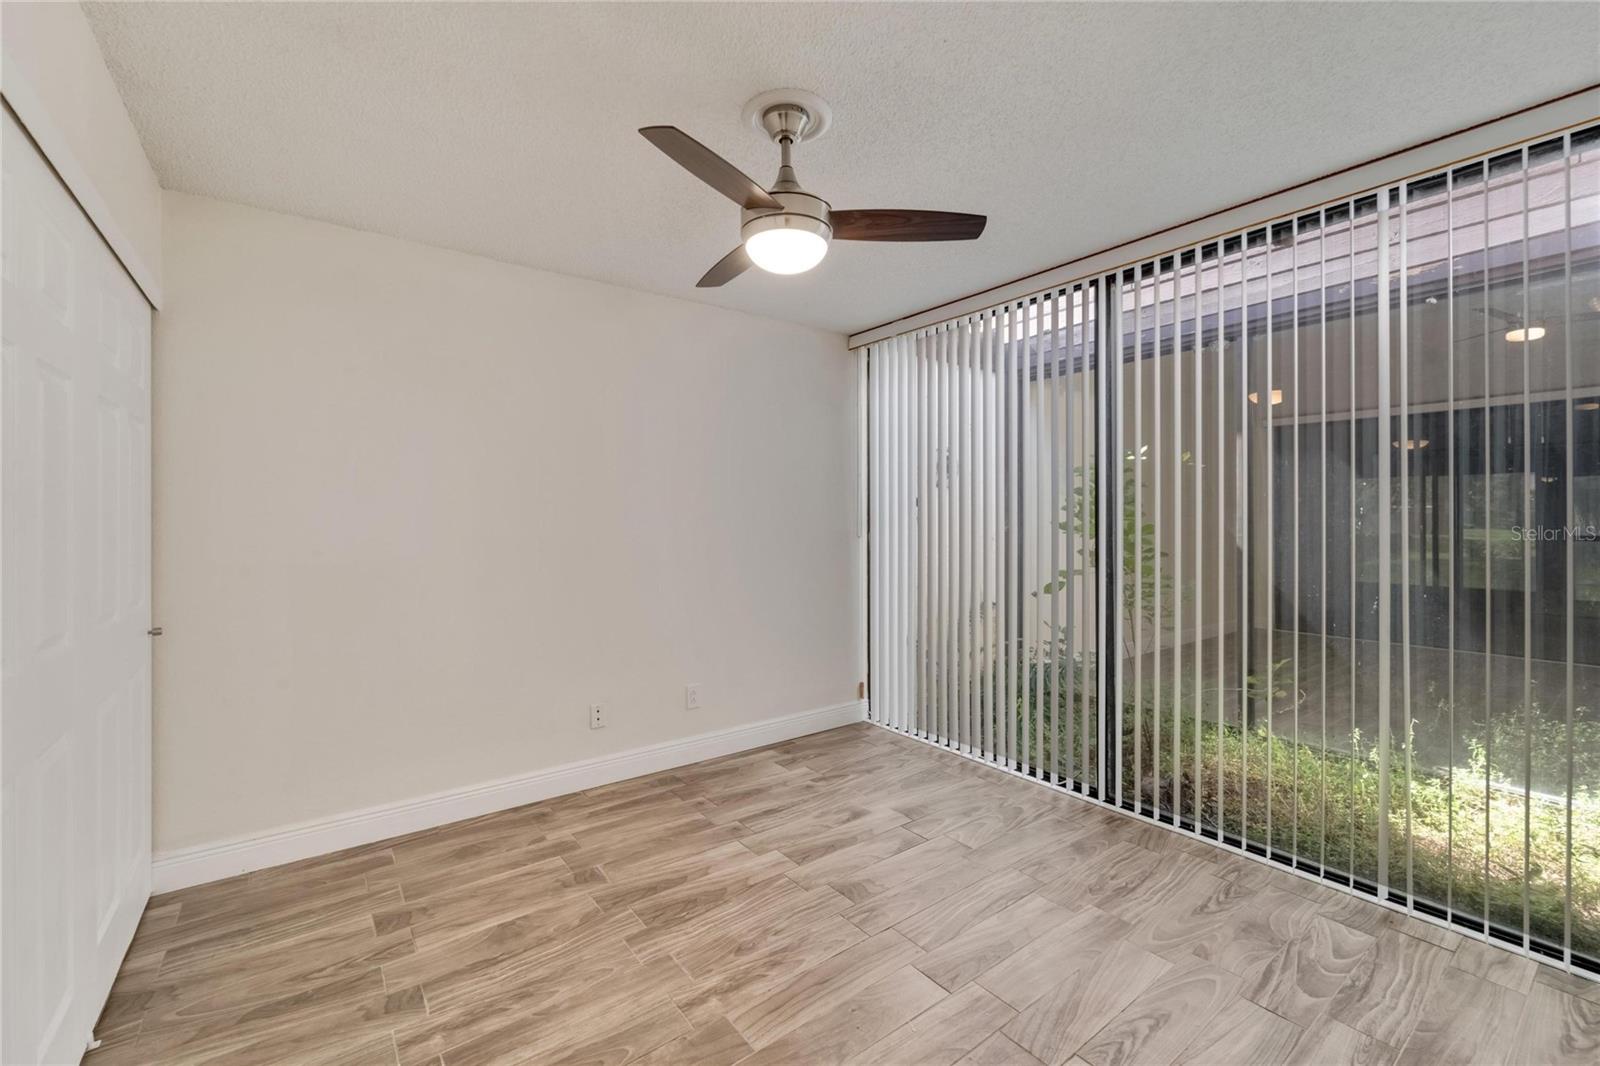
(801, 211)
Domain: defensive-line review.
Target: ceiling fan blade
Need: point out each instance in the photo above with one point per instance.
(728, 267)
(710, 167)
(892, 225)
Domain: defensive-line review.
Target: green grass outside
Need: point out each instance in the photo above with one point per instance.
(1324, 807)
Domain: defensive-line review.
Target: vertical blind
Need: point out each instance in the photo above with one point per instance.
(983, 610)
(1343, 470)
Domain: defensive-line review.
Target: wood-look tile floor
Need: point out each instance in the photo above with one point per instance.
(850, 896)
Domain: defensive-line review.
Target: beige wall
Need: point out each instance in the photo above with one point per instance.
(415, 510)
(55, 79)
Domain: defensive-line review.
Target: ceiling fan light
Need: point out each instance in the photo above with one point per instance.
(786, 251)
(788, 242)
(1523, 336)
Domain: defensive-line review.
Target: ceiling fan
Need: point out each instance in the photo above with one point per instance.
(785, 229)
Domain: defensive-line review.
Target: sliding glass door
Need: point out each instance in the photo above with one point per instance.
(1308, 564)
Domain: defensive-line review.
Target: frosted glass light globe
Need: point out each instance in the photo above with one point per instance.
(785, 251)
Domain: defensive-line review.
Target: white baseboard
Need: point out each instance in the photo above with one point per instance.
(212, 862)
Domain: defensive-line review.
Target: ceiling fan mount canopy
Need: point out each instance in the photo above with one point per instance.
(819, 113)
(786, 121)
(786, 229)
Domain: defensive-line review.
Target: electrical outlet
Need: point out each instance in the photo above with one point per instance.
(597, 716)
(691, 697)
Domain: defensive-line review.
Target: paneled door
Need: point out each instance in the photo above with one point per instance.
(74, 611)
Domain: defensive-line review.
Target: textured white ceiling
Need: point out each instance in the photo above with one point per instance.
(508, 129)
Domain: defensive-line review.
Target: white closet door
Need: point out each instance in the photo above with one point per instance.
(74, 610)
